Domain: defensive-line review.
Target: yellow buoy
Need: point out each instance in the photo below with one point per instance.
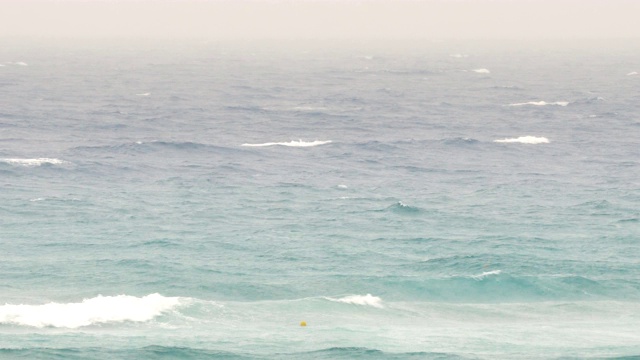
(303, 323)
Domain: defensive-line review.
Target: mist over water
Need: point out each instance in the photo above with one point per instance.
(199, 199)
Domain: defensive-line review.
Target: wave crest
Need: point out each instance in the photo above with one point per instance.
(97, 310)
(293, 143)
(33, 162)
(524, 140)
(365, 300)
(541, 103)
(485, 274)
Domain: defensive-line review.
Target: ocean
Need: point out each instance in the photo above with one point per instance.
(408, 200)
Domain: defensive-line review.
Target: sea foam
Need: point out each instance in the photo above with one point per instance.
(541, 103)
(482, 71)
(365, 300)
(632, 73)
(33, 162)
(293, 143)
(524, 140)
(97, 310)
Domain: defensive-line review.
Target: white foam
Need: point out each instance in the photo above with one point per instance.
(342, 186)
(524, 140)
(365, 300)
(541, 103)
(97, 310)
(33, 162)
(481, 71)
(485, 274)
(143, 94)
(459, 56)
(632, 73)
(37, 199)
(293, 143)
(21, 63)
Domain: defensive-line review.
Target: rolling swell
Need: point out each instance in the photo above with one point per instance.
(141, 147)
(171, 352)
(97, 353)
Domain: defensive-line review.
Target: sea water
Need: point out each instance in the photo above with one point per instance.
(418, 200)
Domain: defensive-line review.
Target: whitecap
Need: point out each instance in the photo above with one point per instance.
(365, 300)
(37, 199)
(482, 71)
(97, 310)
(293, 143)
(485, 274)
(524, 140)
(33, 162)
(459, 56)
(143, 94)
(632, 73)
(541, 103)
(342, 186)
(21, 63)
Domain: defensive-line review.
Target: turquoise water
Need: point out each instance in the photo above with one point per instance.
(439, 201)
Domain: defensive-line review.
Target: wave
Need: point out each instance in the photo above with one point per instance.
(460, 141)
(481, 71)
(97, 310)
(293, 143)
(143, 94)
(459, 56)
(32, 162)
(139, 147)
(402, 208)
(19, 63)
(365, 300)
(632, 73)
(485, 274)
(541, 103)
(524, 140)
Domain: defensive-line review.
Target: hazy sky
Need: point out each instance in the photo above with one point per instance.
(299, 19)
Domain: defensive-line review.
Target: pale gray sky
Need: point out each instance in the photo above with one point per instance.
(299, 19)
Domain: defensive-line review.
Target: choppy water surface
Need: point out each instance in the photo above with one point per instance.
(436, 201)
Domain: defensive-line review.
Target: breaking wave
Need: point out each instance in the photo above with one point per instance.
(481, 71)
(365, 300)
(293, 143)
(524, 140)
(33, 162)
(541, 103)
(97, 310)
(632, 73)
